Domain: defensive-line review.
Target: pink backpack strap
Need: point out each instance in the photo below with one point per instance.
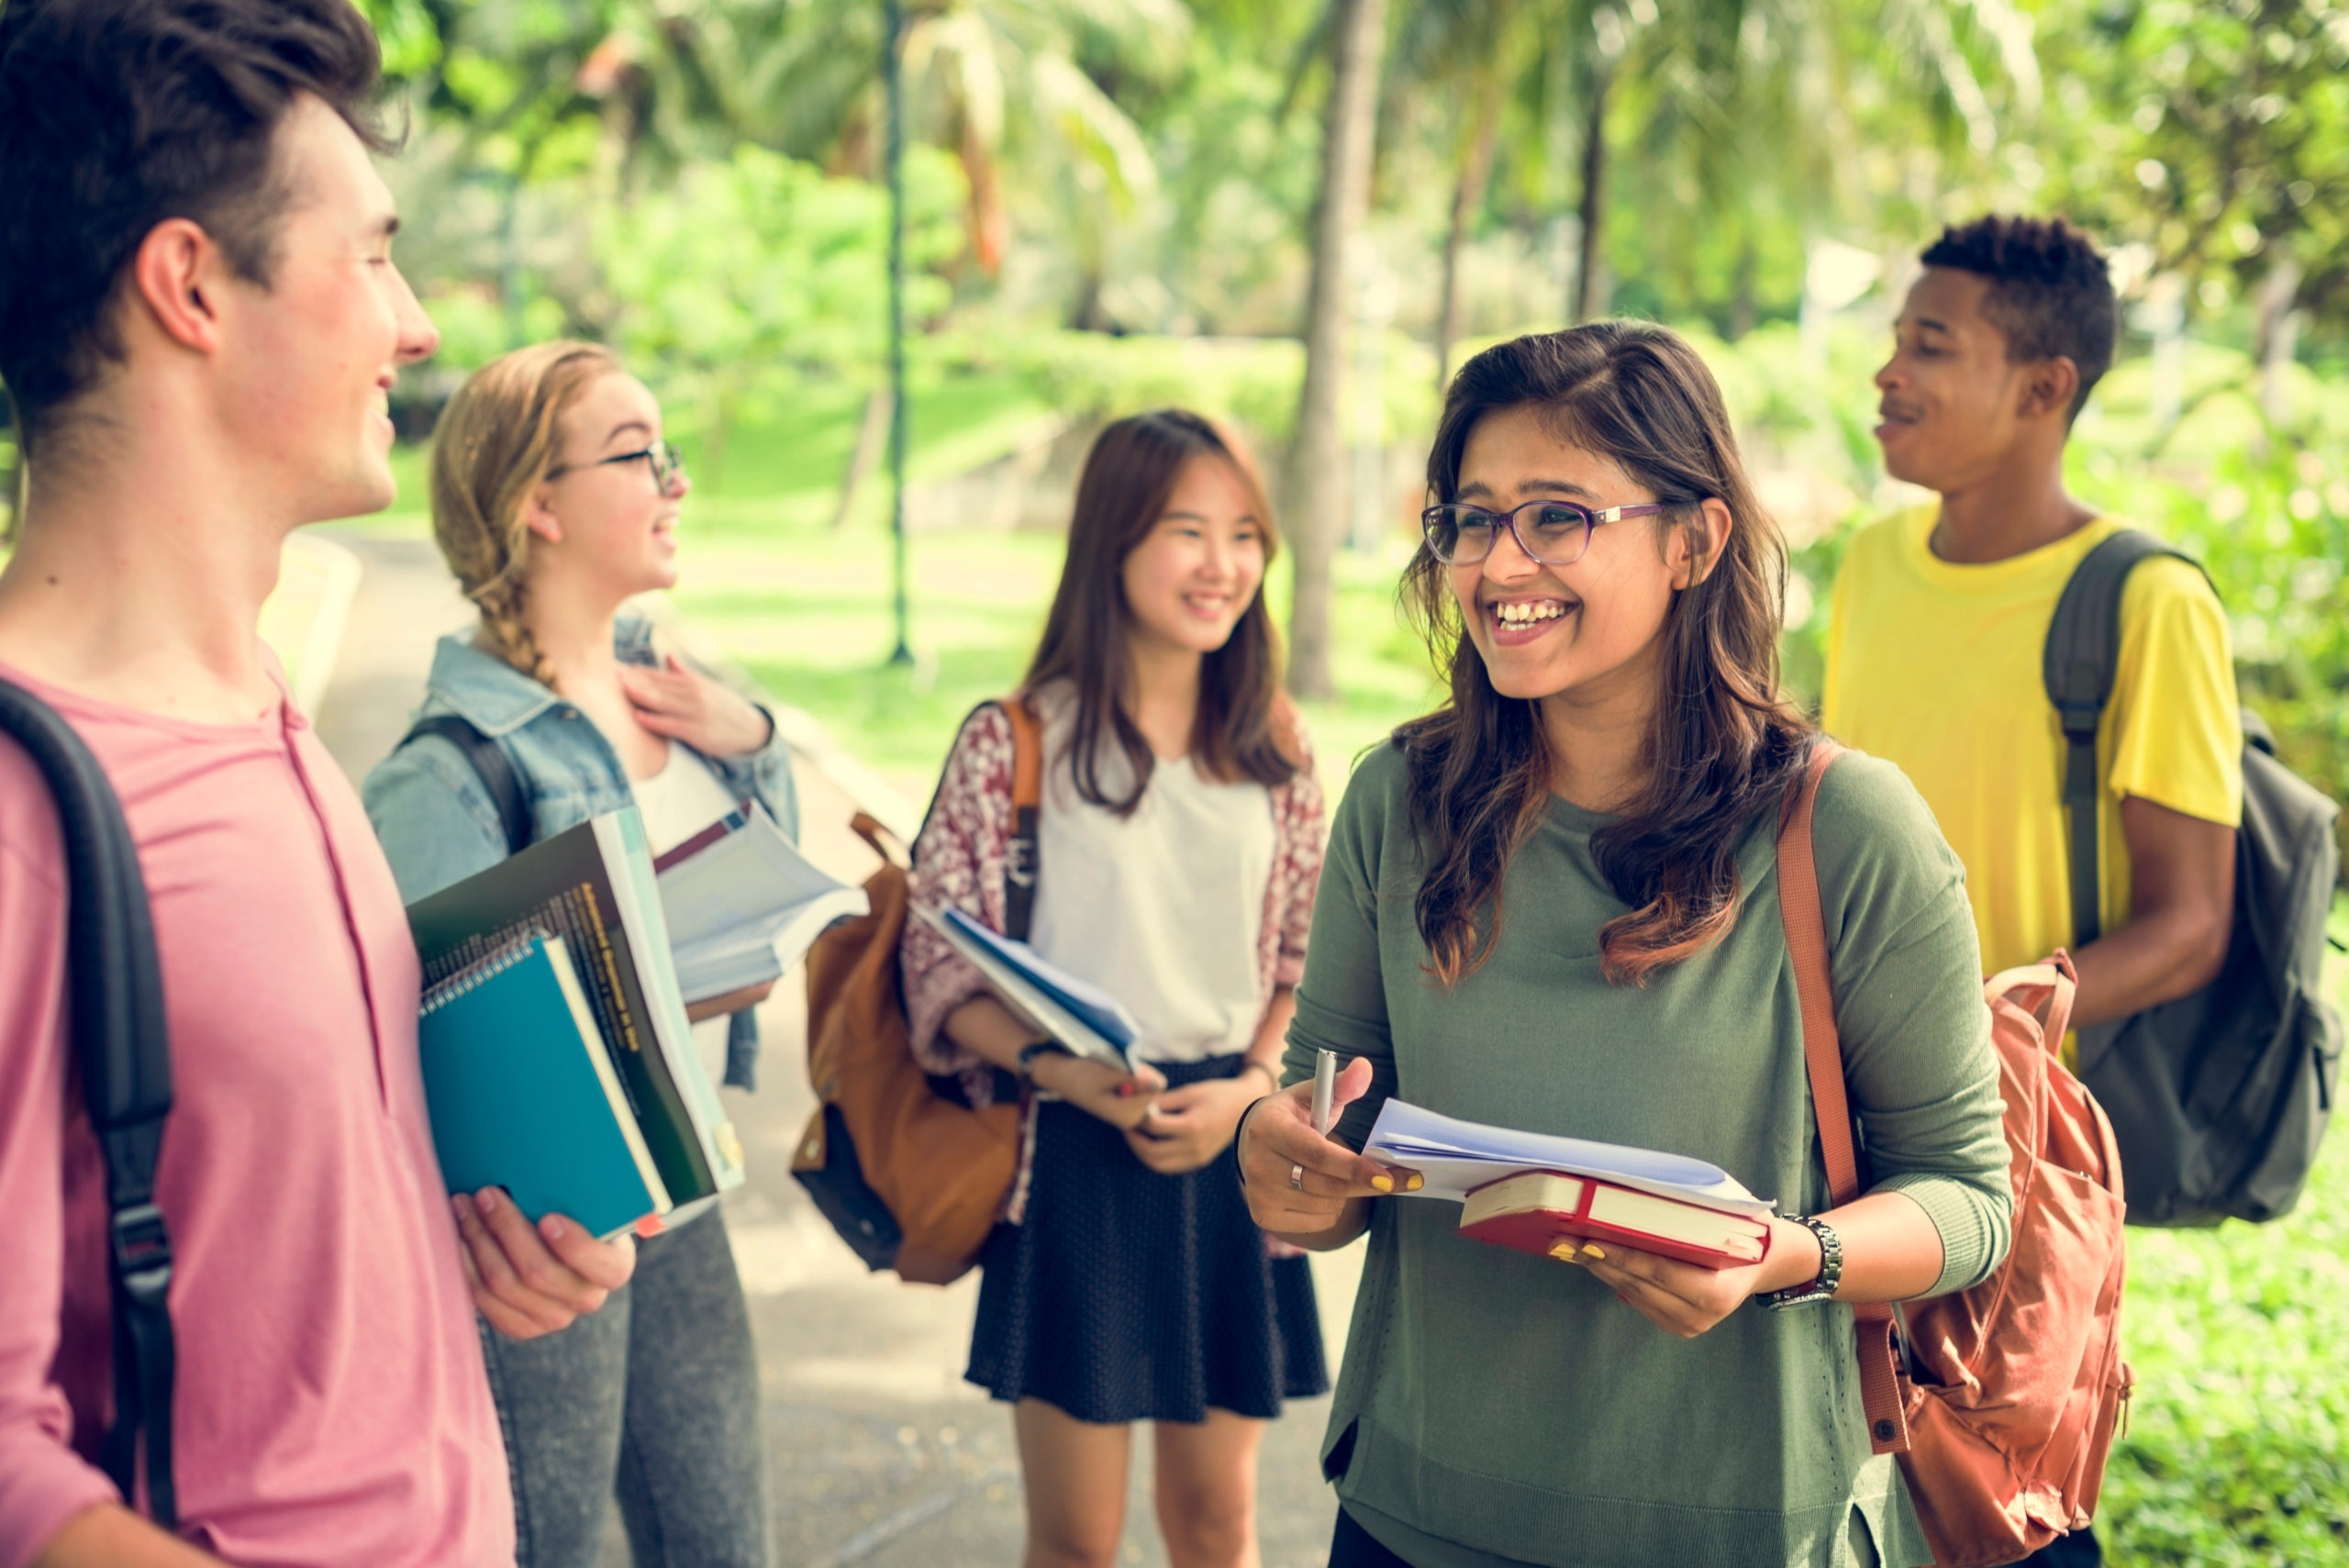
(1823, 1055)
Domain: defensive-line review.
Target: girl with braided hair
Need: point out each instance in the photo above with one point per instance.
(554, 501)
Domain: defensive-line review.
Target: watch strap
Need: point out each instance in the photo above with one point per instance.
(1822, 1287)
(1034, 1049)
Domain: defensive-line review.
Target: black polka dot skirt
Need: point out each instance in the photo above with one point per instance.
(1127, 1295)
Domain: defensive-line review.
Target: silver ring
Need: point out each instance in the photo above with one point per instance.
(1297, 1177)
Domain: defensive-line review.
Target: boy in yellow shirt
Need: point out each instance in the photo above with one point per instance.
(1940, 614)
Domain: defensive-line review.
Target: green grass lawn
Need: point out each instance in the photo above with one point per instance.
(2238, 1448)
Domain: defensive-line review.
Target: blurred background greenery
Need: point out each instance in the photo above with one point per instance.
(1112, 203)
(1295, 214)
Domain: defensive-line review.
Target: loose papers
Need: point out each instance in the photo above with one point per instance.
(1456, 1156)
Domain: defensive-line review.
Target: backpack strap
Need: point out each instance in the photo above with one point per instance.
(1822, 1056)
(488, 760)
(2077, 667)
(122, 1047)
(1021, 857)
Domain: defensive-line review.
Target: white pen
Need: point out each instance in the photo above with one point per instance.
(1325, 1085)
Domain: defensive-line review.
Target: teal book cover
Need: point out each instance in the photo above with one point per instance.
(523, 1096)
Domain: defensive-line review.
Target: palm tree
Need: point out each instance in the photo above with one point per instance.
(998, 83)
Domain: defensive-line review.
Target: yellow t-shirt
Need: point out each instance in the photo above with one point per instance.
(1936, 667)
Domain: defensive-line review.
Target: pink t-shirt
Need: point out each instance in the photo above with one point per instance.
(331, 1404)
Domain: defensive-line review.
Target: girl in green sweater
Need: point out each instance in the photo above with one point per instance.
(1552, 905)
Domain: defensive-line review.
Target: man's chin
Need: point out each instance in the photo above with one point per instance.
(1908, 451)
(363, 495)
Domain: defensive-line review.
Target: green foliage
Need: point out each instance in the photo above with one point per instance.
(2218, 133)
(744, 276)
(2237, 1454)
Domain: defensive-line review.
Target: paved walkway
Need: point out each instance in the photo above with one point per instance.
(879, 1453)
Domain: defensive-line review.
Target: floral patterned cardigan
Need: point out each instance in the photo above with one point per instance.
(959, 860)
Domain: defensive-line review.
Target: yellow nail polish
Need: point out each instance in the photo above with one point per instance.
(1563, 1251)
(1384, 1183)
(1416, 1182)
(1594, 1249)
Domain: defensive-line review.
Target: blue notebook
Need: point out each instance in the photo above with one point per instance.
(523, 1095)
(1091, 1006)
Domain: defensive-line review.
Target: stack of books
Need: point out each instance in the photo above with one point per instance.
(558, 1061)
(1543, 1194)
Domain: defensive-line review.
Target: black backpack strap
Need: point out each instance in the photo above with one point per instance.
(121, 1045)
(1022, 859)
(488, 760)
(2082, 653)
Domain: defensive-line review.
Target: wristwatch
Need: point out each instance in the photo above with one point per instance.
(1831, 1270)
(1034, 1049)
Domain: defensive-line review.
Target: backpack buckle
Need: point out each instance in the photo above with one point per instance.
(142, 1251)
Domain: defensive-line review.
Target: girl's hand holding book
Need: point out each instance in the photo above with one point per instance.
(1300, 1182)
(1096, 1088)
(1686, 1299)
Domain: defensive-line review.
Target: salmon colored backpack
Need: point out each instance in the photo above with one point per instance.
(910, 1177)
(2005, 1409)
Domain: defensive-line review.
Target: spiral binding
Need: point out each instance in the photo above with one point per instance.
(481, 971)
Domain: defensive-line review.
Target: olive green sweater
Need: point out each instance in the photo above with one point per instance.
(1498, 1406)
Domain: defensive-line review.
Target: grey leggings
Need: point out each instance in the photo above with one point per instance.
(655, 1399)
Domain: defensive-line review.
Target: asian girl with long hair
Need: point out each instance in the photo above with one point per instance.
(1179, 837)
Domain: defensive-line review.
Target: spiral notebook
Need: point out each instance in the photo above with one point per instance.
(593, 885)
(523, 1094)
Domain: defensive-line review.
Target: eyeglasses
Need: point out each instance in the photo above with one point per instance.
(1461, 534)
(668, 465)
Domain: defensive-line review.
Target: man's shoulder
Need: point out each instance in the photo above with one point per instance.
(31, 837)
(2165, 581)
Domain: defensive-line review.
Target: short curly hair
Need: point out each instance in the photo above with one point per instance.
(2050, 290)
(117, 115)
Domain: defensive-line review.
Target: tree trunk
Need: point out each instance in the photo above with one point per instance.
(1743, 308)
(871, 431)
(1317, 471)
(2277, 339)
(1476, 167)
(1590, 284)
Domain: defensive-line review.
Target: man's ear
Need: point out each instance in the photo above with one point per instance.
(2047, 388)
(1698, 543)
(175, 277)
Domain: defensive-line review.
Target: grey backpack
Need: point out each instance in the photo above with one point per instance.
(2219, 1098)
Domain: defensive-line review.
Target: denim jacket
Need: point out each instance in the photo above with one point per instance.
(439, 826)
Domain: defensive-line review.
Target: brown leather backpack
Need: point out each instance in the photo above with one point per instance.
(2005, 1410)
(911, 1177)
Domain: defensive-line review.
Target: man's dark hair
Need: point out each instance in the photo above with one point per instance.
(2050, 293)
(117, 115)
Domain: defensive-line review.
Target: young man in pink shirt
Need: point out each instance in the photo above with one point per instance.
(199, 324)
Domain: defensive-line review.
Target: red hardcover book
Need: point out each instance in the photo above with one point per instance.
(1537, 1211)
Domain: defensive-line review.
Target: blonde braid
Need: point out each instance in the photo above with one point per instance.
(494, 444)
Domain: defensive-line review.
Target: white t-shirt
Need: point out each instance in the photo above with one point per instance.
(676, 802)
(1162, 909)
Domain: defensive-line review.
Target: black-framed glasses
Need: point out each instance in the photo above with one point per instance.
(1555, 535)
(668, 465)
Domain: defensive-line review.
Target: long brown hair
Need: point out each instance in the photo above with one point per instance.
(1128, 476)
(494, 445)
(1721, 748)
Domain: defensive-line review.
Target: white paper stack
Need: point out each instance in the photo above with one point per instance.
(1457, 1157)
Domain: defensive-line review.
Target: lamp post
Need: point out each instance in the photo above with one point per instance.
(893, 27)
